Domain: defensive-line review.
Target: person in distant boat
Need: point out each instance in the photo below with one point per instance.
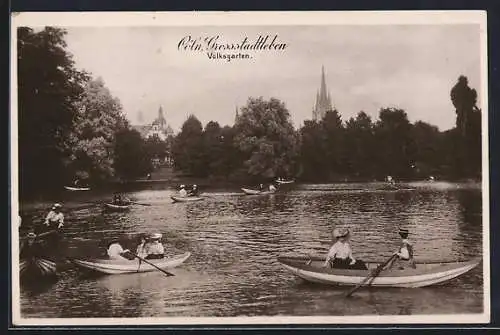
(182, 191)
(272, 188)
(390, 180)
(261, 187)
(194, 191)
(404, 255)
(117, 199)
(340, 254)
(116, 251)
(55, 218)
(141, 248)
(155, 249)
(148, 177)
(76, 183)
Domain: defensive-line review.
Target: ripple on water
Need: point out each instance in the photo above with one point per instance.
(235, 240)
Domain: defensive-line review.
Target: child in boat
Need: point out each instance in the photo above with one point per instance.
(182, 191)
(141, 248)
(404, 256)
(340, 254)
(155, 249)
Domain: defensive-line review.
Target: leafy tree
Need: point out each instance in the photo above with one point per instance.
(359, 149)
(467, 146)
(334, 138)
(428, 156)
(48, 86)
(188, 148)
(312, 152)
(394, 144)
(99, 118)
(156, 147)
(266, 138)
(132, 159)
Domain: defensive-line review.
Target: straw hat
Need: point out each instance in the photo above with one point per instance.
(182, 186)
(56, 205)
(156, 236)
(340, 232)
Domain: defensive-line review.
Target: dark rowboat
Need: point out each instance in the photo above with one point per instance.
(425, 274)
(36, 269)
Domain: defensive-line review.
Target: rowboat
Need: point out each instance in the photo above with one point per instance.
(70, 188)
(185, 199)
(285, 181)
(108, 266)
(425, 274)
(36, 269)
(113, 207)
(254, 192)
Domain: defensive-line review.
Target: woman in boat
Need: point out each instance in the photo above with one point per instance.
(182, 191)
(194, 191)
(272, 188)
(340, 254)
(116, 251)
(117, 199)
(155, 249)
(55, 218)
(261, 187)
(404, 255)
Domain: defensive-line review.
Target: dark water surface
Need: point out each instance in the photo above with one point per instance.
(235, 240)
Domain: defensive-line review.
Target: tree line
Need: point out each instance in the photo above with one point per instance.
(71, 126)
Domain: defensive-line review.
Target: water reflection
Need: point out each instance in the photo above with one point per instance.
(235, 239)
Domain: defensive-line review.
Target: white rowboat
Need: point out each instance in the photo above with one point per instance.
(425, 274)
(254, 192)
(108, 266)
(69, 188)
(185, 199)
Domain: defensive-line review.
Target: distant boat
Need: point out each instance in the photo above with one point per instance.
(185, 199)
(70, 188)
(117, 208)
(282, 181)
(254, 192)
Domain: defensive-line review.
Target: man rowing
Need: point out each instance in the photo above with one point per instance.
(340, 254)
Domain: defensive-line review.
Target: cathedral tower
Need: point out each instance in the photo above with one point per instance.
(323, 99)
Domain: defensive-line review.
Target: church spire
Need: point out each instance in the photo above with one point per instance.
(236, 114)
(323, 99)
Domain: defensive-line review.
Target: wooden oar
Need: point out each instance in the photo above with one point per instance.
(145, 261)
(373, 275)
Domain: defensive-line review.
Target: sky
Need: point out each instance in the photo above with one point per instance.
(412, 67)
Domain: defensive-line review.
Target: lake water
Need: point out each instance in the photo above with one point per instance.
(235, 240)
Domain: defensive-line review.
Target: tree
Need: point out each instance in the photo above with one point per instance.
(131, 155)
(48, 87)
(334, 139)
(358, 145)
(156, 148)
(467, 147)
(395, 150)
(428, 156)
(99, 118)
(188, 148)
(266, 138)
(312, 151)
